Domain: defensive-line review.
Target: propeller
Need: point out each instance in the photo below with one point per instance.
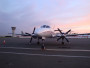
(68, 31)
(33, 30)
(60, 31)
(63, 35)
(32, 35)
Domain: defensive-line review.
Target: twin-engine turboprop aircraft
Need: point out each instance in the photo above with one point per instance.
(46, 31)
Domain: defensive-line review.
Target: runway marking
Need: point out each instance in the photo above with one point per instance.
(73, 50)
(28, 54)
(21, 48)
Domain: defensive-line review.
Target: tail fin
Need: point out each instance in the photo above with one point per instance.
(22, 33)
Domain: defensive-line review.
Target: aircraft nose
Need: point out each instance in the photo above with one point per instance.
(38, 33)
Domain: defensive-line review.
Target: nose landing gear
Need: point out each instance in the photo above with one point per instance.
(38, 42)
(43, 47)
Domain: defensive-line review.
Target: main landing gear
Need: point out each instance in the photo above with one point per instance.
(62, 43)
(43, 47)
(38, 42)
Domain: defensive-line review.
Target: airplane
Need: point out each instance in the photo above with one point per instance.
(46, 31)
(24, 34)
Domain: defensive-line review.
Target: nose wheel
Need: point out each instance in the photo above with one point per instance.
(38, 42)
(43, 47)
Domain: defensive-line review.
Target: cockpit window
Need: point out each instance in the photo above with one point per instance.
(45, 26)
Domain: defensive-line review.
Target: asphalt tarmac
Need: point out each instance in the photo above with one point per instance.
(17, 53)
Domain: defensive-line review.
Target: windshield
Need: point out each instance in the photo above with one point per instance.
(45, 26)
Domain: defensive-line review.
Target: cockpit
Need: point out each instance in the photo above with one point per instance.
(45, 26)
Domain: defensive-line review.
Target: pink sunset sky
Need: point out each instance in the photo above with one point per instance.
(27, 14)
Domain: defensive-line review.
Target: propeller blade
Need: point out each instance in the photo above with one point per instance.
(66, 39)
(68, 31)
(31, 40)
(33, 30)
(59, 38)
(60, 31)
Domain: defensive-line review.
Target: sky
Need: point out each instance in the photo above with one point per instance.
(27, 14)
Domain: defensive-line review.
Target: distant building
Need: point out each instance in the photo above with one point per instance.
(13, 31)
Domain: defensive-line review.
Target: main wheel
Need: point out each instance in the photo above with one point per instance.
(38, 43)
(43, 47)
(62, 43)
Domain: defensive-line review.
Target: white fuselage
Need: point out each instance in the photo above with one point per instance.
(45, 32)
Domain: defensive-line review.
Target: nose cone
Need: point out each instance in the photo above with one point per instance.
(38, 32)
(43, 32)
